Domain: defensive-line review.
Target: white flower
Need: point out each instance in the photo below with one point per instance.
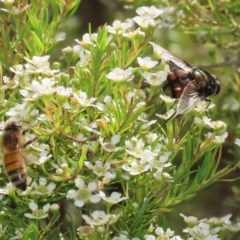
(78, 52)
(114, 198)
(88, 39)
(209, 228)
(216, 125)
(44, 156)
(219, 139)
(43, 188)
(101, 169)
(155, 79)
(135, 147)
(133, 34)
(64, 91)
(189, 219)
(84, 193)
(136, 167)
(151, 12)
(119, 27)
(21, 112)
(203, 106)
(8, 190)
(122, 236)
(18, 69)
(146, 63)
(145, 22)
(83, 99)
(120, 75)
(221, 221)
(149, 237)
(162, 163)
(203, 231)
(161, 234)
(39, 65)
(38, 88)
(99, 218)
(37, 213)
(219, 133)
(111, 146)
(18, 112)
(151, 137)
(146, 16)
(73, 52)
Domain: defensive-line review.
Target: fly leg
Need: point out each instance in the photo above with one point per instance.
(208, 104)
(174, 114)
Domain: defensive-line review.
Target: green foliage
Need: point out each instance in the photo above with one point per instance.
(105, 165)
(217, 21)
(29, 29)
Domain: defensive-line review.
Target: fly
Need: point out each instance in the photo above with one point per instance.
(190, 84)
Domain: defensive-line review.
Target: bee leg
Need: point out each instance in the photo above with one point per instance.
(30, 141)
(25, 131)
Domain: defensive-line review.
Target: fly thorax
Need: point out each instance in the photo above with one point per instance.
(207, 84)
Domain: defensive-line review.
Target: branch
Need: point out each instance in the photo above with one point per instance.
(231, 61)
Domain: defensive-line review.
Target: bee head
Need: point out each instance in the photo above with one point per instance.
(13, 127)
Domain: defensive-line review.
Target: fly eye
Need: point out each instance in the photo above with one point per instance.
(217, 88)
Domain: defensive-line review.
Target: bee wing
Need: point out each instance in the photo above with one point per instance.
(189, 99)
(166, 56)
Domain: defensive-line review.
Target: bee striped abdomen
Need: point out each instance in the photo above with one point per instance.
(16, 169)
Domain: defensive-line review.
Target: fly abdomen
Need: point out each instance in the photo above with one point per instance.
(177, 80)
(16, 169)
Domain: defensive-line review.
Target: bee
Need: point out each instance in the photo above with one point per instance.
(190, 84)
(13, 141)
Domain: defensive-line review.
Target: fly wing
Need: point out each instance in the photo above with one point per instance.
(189, 99)
(165, 55)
